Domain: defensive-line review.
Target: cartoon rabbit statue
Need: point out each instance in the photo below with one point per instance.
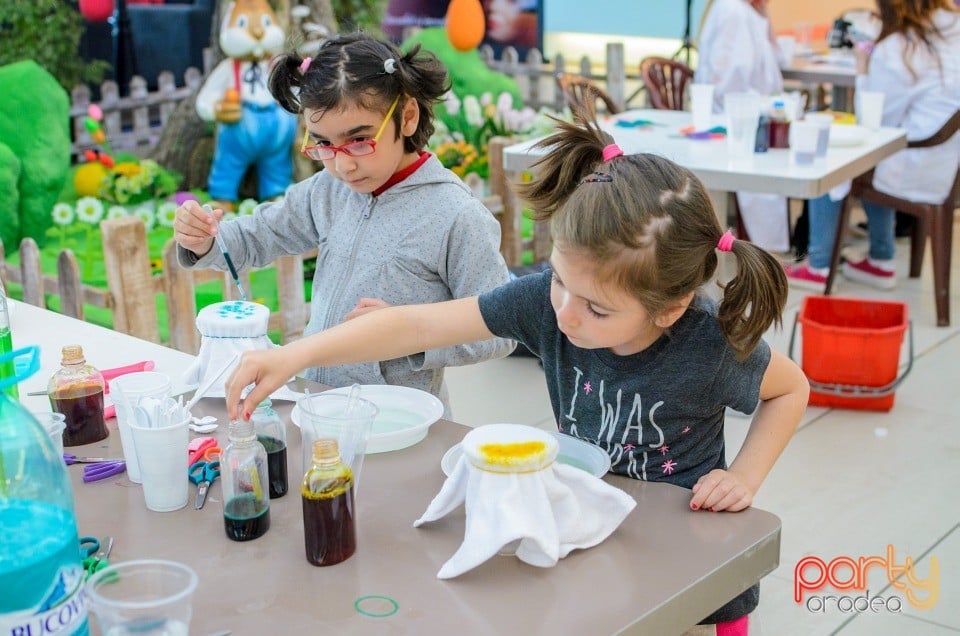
(253, 129)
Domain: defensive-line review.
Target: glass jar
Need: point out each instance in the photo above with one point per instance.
(272, 433)
(76, 390)
(243, 475)
(329, 530)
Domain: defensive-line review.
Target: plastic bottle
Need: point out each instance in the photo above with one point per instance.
(779, 126)
(243, 473)
(329, 529)
(273, 435)
(76, 390)
(6, 346)
(40, 571)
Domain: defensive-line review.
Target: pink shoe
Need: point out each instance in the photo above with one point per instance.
(805, 278)
(865, 272)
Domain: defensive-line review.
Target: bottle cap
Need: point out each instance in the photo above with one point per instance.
(72, 354)
(326, 451)
(267, 403)
(241, 430)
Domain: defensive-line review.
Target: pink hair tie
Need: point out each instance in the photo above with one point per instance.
(612, 151)
(725, 244)
(305, 64)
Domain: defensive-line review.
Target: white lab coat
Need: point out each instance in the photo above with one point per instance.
(921, 105)
(737, 56)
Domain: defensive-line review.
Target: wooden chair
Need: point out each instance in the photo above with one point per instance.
(666, 80)
(582, 92)
(935, 220)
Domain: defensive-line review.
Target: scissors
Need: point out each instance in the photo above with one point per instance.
(203, 448)
(99, 468)
(203, 474)
(94, 553)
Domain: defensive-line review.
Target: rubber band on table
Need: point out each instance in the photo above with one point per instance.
(376, 597)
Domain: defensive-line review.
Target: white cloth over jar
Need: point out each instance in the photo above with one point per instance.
(548, 508)
(227, 329)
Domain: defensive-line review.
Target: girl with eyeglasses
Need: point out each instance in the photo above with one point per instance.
(392, 226)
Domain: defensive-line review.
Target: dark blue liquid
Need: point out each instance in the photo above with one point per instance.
(246, 518)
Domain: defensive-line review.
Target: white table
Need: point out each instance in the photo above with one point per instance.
(662, 570)
(770, 172)
(840, 74)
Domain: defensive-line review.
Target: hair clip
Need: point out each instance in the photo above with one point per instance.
(305, 64)
(596, 177)
(389, 66)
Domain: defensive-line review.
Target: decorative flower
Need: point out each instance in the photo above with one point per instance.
(89, 210)
(146, 214)
(63, 214)
(458, 156)
(167, 213)
(116, 212)
(472, 110)
(246, 207)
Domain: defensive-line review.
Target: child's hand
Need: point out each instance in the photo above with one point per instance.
(194, 228)
(721, 490)
(269, 369)
(365, 306)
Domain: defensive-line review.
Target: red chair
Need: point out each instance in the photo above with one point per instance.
(666, 81)
(935, 220)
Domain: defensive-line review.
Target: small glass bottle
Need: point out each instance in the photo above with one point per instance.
(243, 474)
(6, 346)
(76, 390)
(330, 534)
(273, 435)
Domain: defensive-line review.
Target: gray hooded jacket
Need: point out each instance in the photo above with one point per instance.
(425, 239)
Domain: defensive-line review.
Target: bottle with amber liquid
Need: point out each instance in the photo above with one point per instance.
(76, 390)
(329, 528)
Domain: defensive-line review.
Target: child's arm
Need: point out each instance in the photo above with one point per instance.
(381, 335)
(783, 398)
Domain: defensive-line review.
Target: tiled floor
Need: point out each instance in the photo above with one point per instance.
(849, 484)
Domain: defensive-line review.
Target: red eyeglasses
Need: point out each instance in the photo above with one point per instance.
(325, 152)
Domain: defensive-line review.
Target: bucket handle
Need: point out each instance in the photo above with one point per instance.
(854, 390)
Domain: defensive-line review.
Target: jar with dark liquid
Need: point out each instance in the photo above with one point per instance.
(329, 529)
(272, 433)
(76, 390)
(243, 475)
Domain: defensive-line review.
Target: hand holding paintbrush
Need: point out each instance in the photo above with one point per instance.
(196, 228)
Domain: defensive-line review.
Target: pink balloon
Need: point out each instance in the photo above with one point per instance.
(95, 112)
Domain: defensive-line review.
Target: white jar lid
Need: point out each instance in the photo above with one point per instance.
(510, 448)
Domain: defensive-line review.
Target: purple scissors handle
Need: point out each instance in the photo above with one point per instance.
(96, 472)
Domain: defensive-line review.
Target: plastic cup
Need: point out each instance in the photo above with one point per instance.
(869, 108)
(743, 116)
(162, 454)
(146, 598)
(822, 121)
(127, 391)
(701, 106)
(325, 415)
(803, 142)
(53, 423)
(788, 46)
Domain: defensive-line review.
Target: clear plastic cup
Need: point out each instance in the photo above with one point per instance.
(147, 598)
(126, 391)
(325, 415)
(869, 108)
(822, 121)
(803, 142)
(53, 423)
(743, 116)
(701, 106)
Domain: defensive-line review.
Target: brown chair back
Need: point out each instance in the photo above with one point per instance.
(666, 81)
(581, 92)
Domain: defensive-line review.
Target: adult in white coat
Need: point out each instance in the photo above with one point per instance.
(739, 54)
(916, 65)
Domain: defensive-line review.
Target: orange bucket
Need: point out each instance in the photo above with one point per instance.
(851, 351)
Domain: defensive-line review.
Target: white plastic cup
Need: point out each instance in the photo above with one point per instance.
(822, 121)
(162, 456)
(869, 108)
(53, 423)
(788, 46)
(126, 391)
(701, 106)
(743, 116)
(803, 142)
(324, 415)
(147, 597)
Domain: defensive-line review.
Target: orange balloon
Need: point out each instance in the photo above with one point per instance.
(465, 24)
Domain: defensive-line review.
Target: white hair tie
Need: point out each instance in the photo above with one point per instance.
(389, 66)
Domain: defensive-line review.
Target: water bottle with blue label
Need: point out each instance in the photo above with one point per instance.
(40, 571)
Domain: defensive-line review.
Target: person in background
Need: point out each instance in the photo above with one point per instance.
(636, 360)
(738, 53)
(915, 63)
(392, 226)
(511, 22)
